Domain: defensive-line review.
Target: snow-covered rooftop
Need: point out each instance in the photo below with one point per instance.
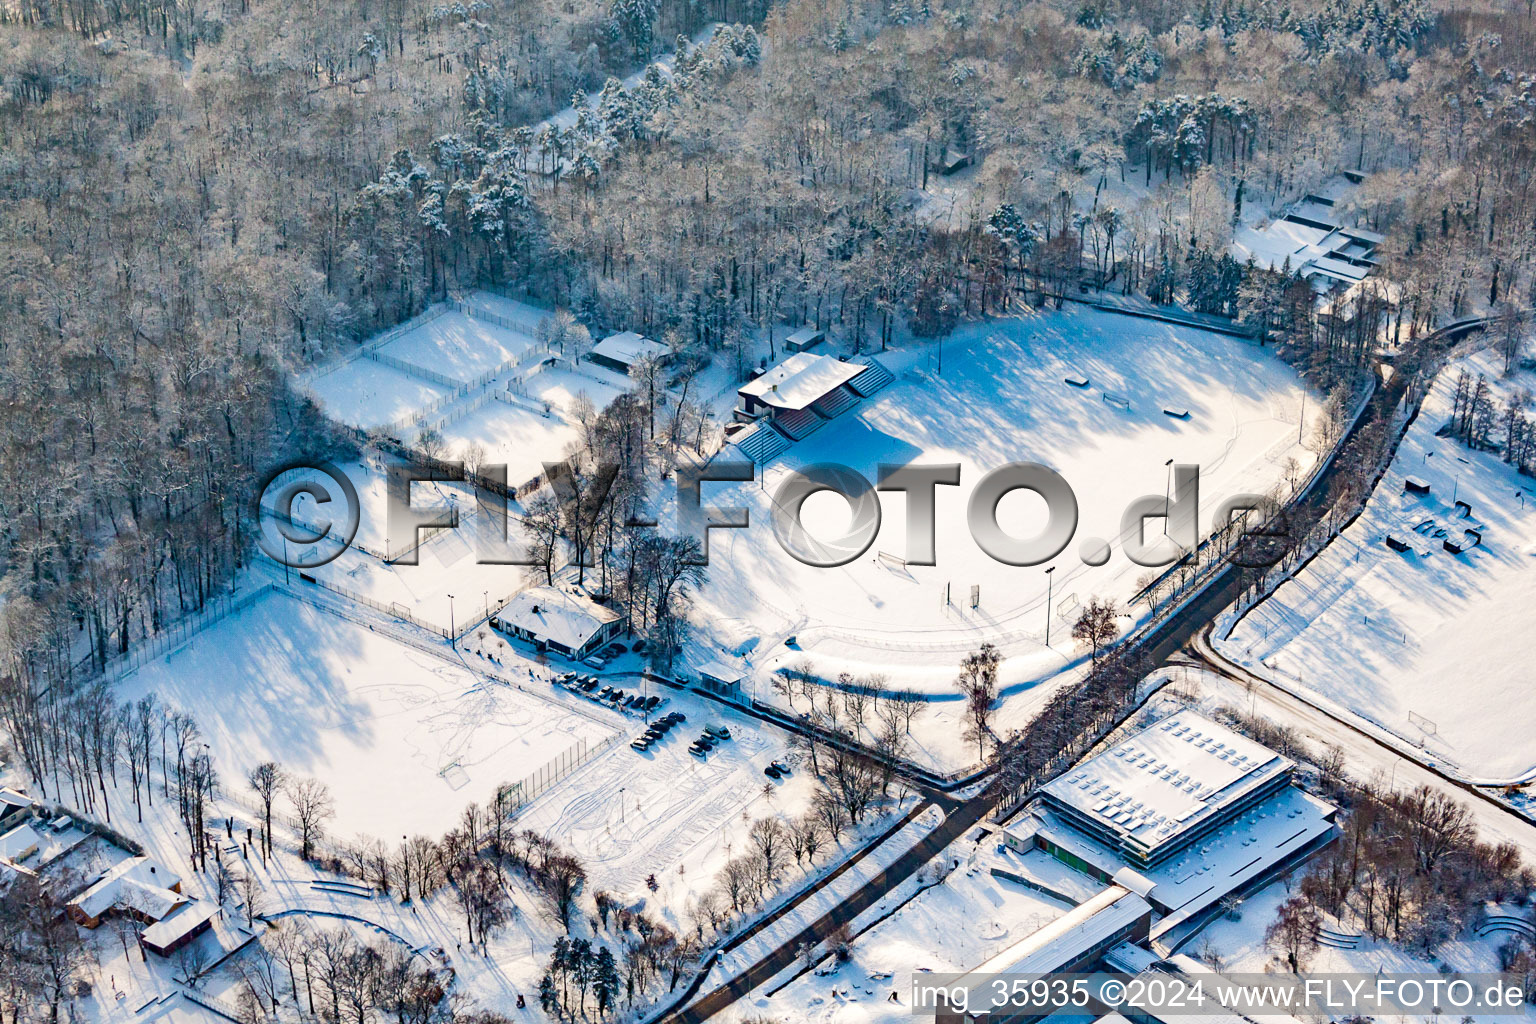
(1065, 940)
(1272, 832)
(1166, 780)
(19, 843)
(628, 348)
(552, 614)
(719, 670)
(187, 918)
(800, 380)
(135, 883)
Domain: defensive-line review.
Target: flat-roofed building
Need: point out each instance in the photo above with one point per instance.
(1163, 788)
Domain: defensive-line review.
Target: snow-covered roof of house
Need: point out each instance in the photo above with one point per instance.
(135, 883)
(800, 380)
(802, 336)
(719, 670)
(1167, 779)
(1338, 269)
(19, 843)
(11, 798)
(1065, 940)
(188, 917)
(628, 348)
(555, 615)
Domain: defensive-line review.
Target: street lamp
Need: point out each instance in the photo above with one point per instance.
(1049, 579)
(452, 639)
(1167, 494)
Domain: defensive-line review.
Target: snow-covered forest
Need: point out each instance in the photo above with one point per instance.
(204, 201)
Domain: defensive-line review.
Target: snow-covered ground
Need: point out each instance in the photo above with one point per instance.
(1432, 646)
(524, 431)
(367, 394)
(1001, 398)
(403, 738)
(457, 346)
(949, 927)
(635, 813)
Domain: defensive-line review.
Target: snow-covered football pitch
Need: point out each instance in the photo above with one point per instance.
(1003, 396)
(1428, 644)
(404, 739)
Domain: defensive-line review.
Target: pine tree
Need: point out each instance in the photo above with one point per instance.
(605, 982)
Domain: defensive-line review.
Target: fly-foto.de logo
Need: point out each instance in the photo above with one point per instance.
(309, 514)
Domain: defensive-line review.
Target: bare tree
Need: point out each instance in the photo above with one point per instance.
(267, 779)
(978, 682)
(312, 808)
(1097, 626)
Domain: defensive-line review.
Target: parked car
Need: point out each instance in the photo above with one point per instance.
(705, 742)
(772, 772)
(594, 661)
(640, 744)
(698, 751)
(678, 716)
(651, 702)
(719, 732)
(781, 766)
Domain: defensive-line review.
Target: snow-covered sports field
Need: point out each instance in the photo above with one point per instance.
(366, 394)
(403, 738)
(1002, 397)
(1430, 645)
(457, 346)
(528, 430)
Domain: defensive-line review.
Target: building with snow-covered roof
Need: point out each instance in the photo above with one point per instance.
(1185, 813)
(1311, 238)
(798, 396)
(12, 803)
(179, 928)
(620, 352)
(722, 680)
(1076, 941)
(20, 843)
(553, 619)
(804, 339)
(136, 887)
(1160, 790)
(795, 384)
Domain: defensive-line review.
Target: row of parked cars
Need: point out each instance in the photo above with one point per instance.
(707, 739)
(594, 689)
(657, 730)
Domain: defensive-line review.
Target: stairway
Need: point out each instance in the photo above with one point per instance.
(761, 443)
(875, 377)
(835, 404)
(798, 424)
